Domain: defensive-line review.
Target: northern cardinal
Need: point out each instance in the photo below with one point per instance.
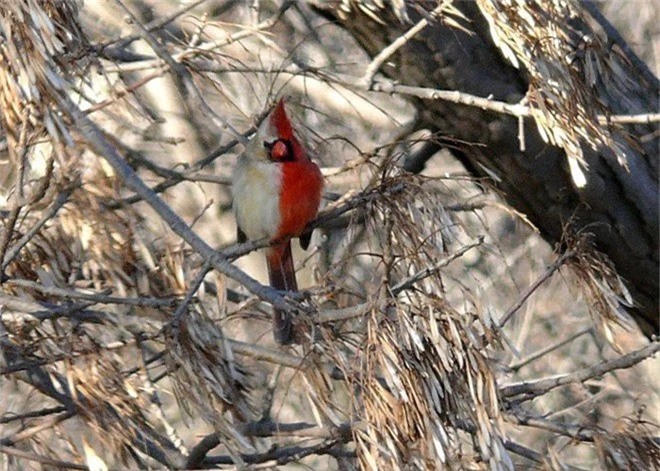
(277, 191)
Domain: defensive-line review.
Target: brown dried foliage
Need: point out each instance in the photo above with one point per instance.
(109, 321)
(549, 41)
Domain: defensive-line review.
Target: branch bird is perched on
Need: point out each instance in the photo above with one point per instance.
(277, 191)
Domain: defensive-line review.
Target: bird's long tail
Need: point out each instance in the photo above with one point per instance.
(282, 276)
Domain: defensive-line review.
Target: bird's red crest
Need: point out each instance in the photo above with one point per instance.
(280, 120)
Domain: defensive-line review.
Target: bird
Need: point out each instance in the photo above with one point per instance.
(276, 190)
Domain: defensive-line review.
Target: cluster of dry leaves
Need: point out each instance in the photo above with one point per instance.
(440, 340)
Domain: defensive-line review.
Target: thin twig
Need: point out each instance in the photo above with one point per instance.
(544, 351)
(266, 429)
(573, 431)
(189, 53)
(45, 424)
(342, 314)
(60, 201)
(389, 50)
(9, 417)
(149, 27)
(453, 96)
(7, 231)
(96, 298)
(428, 271)
(54, 358)
(644, 118)
(539, 387)
(523, 451)
(534, 286)
(279, 456)
(390, 87)
(11, 451)
(258, 352)
(19, 307)
(192, 290)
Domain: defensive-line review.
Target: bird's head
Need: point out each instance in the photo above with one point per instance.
(275, 141)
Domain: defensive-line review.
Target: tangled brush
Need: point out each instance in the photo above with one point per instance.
(127, 339)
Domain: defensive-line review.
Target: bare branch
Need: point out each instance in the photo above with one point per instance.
(95, 298)
(262, 353)
(11, 451)
(566, 256)
(200, 49)
(47, 216)
(108, 50)
(266, 429)
(420, 275)
(388, 51)
(539, 387)
(550, 348)
(10, 417)
(279, 456)
(45, 424)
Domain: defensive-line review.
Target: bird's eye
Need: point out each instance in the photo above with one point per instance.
(280, 150)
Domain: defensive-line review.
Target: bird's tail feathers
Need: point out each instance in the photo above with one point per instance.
(282, 274)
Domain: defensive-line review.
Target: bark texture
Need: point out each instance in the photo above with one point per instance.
(618, 206)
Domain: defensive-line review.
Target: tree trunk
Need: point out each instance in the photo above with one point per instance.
(618, 206)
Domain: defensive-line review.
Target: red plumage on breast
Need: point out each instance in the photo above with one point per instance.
(300, 197)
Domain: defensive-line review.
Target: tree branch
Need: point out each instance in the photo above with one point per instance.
(11, 451)
(531, 389)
